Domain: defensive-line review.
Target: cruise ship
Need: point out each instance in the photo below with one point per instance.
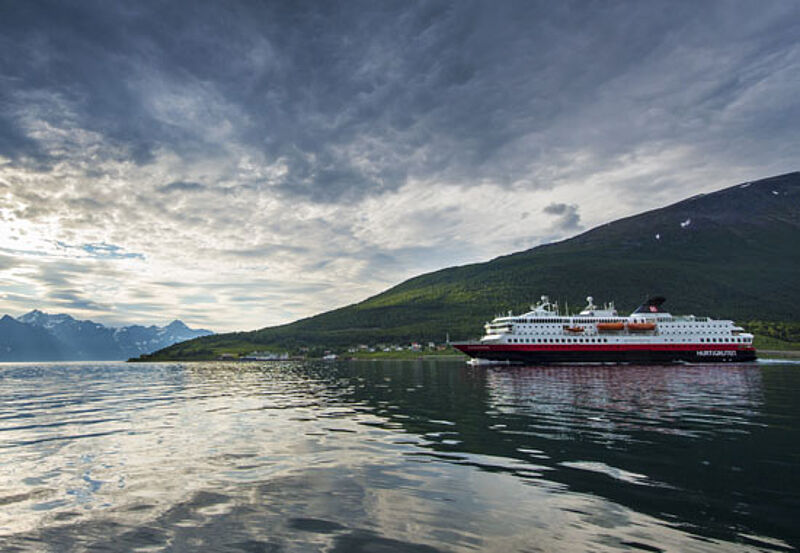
(601, 335)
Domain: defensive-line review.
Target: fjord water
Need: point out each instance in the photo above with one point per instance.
(398, 456)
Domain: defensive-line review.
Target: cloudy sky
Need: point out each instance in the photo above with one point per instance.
(243, 164)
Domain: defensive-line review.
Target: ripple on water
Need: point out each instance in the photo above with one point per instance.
(397, 457)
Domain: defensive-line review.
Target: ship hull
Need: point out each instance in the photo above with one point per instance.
(633, 353)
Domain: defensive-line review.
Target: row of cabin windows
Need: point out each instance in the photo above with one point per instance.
(593, 321)
(558, 340)
(560, 331)
(670, 331)
(568, 321)
(605, 340)
(614, 320)
(689, 326)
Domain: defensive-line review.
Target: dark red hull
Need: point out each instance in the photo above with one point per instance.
(609, 353)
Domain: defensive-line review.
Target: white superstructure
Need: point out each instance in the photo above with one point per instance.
(593, 325)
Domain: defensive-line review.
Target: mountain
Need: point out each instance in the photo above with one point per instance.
(728, 254)
(38, 336)
(22, 342)
(80, 340)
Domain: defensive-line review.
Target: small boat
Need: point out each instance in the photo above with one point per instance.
(641, 327)
(574, 329)
(605, 327)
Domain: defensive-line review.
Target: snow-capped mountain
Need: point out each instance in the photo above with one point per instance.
(39, 336)
(23, 342)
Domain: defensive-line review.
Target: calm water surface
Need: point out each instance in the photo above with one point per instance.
(385, 457)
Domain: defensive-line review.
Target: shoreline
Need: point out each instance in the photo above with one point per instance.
(762, 354)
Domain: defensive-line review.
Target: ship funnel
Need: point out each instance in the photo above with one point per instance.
(651, 305)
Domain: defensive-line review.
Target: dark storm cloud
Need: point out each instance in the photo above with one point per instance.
(556, 209)
(568, 216)
(358, 97)
(312, 153)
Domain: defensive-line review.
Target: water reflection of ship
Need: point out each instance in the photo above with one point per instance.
(687, 442)
(614, 402)
(663, 441)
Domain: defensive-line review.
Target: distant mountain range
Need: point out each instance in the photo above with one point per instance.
(734, 253)
(38, 336)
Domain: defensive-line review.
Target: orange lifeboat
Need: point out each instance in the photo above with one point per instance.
(640, 327)
(605, 327)
(574, 329)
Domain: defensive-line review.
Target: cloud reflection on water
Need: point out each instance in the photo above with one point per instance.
(392, 456)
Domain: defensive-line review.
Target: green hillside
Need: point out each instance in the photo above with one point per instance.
(734, 254)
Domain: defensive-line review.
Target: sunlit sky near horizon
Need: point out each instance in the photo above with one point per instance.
(244, 164)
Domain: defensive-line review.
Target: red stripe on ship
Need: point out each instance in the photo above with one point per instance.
(602, 347)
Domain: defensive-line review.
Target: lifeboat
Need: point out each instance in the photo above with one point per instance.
(605, 327)
(574, 329)
(640, 327)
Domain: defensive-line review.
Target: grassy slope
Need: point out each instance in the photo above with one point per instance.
(737, 258)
